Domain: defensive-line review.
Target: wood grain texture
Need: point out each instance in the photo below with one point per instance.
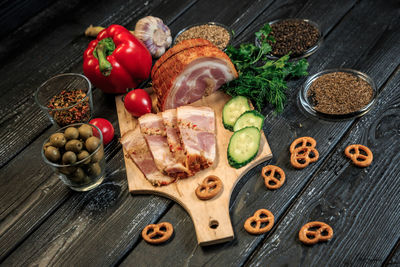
(394, 260)
(101, 102)
(281, 130)
(88, 228)
(15, 13)
(360, 204)
(41, 221)
(25, 207)
(203, 213)
(57, 50)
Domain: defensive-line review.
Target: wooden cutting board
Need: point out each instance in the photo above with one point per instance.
(211, 217)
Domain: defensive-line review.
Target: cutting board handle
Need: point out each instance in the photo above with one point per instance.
(211, 219)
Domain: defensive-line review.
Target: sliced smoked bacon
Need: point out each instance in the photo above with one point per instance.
(188, 71)
(136, 146)
(197, 131)
(153, 130)
(174, 139)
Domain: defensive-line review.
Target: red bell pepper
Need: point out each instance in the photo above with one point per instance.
(116, 60)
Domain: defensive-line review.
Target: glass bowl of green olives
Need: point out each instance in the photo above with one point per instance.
(76, 154)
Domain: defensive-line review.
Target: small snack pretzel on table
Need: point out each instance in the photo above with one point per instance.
(359, 159)
(310, 237)
(301, 156)
(258, 220)
(304, 141)
(155, 233)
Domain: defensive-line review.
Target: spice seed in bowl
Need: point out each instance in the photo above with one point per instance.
(295, 36)
(340, 93)
(212, 32)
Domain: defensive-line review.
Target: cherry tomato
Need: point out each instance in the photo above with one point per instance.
(106, 128)
(137, 102)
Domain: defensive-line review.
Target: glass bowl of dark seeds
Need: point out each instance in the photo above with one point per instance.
(299, 37)
(338, 94)
(218, 34)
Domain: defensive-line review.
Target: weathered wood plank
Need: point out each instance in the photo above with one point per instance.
(14, 13)
(349, 49)
(101, 100)
(58, 49)
(394, 260)
(87, 230)
(17, 198)
(360, 204)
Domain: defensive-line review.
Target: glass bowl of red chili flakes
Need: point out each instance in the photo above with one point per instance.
(66, 99)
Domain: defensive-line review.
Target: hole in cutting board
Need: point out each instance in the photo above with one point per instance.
(214, 224)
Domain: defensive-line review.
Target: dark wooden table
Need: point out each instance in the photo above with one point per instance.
(42, 222)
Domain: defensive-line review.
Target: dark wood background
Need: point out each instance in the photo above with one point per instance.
(42, 222)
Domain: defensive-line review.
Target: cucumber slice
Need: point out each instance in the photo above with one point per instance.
(243, 146)
(233, 109)
(249, 118)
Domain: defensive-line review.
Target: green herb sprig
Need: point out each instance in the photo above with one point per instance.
(260, 79)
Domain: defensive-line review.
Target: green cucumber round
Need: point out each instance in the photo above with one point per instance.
(243, 146)
(249, 118)
(233, 109)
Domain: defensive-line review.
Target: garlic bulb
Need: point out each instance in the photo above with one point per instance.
(155, 35)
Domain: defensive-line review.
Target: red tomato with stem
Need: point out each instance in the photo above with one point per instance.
(137, 102)
(106, 128)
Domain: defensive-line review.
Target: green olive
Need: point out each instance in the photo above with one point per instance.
(57, 140)
(74, 146)
(82, 155)
(67, 170)
(94, 169)
(46, 146)
(71, 133)
(77, 176)
(69, 157)
(92, 143)
(99, 155)
(52, 153)
(85, 131)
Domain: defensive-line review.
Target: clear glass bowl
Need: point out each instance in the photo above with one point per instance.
(306, 53)
(306, 104)
(81, 111)
(84, 174)
(207, 23)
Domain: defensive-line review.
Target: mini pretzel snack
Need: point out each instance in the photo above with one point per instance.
(314, 232)
(209, 188)
(354, 153)
(253, 225)
(301, 156)
(269, 174)
(305, 141)
(157, 233)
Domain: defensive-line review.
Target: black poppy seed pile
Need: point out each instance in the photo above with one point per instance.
(294, 36)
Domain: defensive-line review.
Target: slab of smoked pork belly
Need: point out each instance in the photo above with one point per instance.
(135, 144)
(188, 71)
(153, 130)
(173, 138)
(197, 130)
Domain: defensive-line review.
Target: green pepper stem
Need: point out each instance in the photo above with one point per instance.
(104, 65)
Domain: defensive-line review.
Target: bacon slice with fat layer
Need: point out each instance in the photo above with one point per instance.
(197, 130)
(152, 127)
(174, 139)
(135, 144)
(188, 71)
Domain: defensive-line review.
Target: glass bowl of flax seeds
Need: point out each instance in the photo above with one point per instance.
(338, 94)
(218, 34)
(299, 37)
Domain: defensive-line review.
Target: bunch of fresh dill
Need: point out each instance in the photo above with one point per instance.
(260, 79)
